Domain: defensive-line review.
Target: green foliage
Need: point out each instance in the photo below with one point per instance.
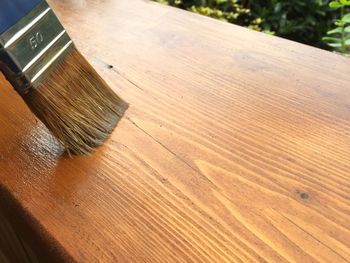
(226, 10)
(339, 37)
(305, 21)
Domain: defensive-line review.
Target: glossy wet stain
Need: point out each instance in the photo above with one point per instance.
(218, 159)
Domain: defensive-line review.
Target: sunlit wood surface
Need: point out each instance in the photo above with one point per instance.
(235, 148)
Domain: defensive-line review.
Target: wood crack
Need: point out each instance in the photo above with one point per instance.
(126, 78)
(311, 235)
(111, 67)
(119, 73)
(171, 152)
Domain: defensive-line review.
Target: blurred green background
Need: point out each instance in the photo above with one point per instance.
(305, 21)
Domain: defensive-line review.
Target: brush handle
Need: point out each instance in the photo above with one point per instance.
(13, 10)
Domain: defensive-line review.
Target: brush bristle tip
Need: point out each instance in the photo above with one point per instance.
(76, 105)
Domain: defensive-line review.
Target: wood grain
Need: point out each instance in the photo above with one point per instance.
(235, 147)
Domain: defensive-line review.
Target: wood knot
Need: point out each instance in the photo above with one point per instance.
(303, 195)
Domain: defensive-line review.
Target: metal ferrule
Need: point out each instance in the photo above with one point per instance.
(32, 47)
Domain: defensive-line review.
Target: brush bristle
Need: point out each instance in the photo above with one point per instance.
(76, 105)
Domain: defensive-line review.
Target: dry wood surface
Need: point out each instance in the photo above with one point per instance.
(235, 148)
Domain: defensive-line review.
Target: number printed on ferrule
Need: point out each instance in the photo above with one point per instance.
(36, 40)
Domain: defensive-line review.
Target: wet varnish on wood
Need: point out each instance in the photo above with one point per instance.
(235, 148)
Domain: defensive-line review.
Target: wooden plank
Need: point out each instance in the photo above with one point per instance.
(235, 147)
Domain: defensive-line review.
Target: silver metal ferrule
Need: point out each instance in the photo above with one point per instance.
(32, 47)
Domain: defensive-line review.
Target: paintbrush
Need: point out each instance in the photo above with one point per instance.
(60, 87)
